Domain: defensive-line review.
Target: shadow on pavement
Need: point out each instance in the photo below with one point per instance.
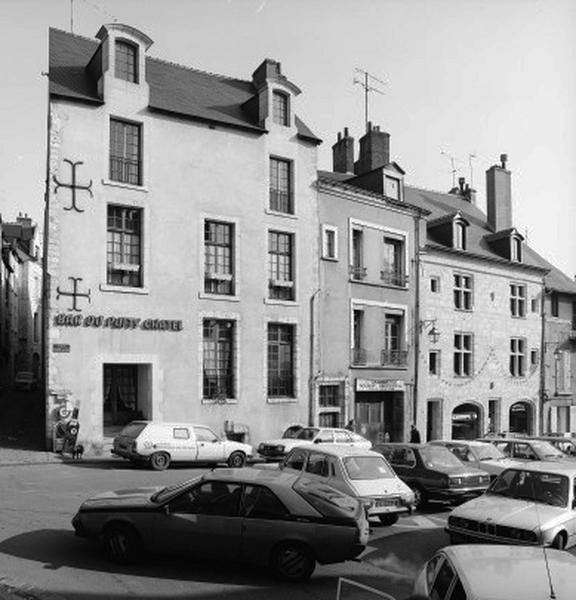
(21, 419)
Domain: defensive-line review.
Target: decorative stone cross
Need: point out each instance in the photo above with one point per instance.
(73, 186)
(74, 293)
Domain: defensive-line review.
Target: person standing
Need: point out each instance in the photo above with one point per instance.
(414, 434)
(351, 425)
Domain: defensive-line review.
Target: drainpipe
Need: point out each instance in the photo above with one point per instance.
(416, 324)
(312, 374)
(542, 358)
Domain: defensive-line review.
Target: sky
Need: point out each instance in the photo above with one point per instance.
(459, 82)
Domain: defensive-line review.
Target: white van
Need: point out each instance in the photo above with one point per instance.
(159, 444)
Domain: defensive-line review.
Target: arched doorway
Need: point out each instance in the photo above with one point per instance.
(521, 418)
(466, 422)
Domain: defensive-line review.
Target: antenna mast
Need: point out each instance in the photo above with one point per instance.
(470, 158)
(71, 16)
(369, 83)
(453, 169)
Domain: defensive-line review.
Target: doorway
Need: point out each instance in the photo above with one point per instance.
(434, 420)
(378, 413)
(521, 418)
(121, 397)
(466, 422)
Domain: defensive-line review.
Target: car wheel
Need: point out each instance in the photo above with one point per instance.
(122, 543)
(237, 460)
(559, 542)
(293, 562)
(420, 497)
(389, 519)
(159, 461)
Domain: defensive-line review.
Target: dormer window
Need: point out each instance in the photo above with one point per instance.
(515, 249)
(459, 235)
(126, 63)
(280, 109)
(393, 188)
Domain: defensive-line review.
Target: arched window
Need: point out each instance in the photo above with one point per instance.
(280, 109)
(459, 235)
(126, 61)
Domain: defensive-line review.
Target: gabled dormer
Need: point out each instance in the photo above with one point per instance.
(393, 181)
(508, 244)
(119, 63)
(274, 105)
(450, 231)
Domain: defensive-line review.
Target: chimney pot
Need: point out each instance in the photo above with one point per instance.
(343, 153)
(503, 160)
(345, 131)
(461, 181)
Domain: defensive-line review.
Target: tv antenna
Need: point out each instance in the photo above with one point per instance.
(453, 169)
(370, 83)
(471, 157)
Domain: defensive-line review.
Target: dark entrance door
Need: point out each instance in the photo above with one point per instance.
(120, 395)
(466, 422)
(520, 418)
(378, 413)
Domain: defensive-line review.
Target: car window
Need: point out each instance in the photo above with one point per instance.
(523, 450)
(262, 503)
(461, 452)
(180, 433)
(438, 456)
(209, 498)
(292, 431)
(545, 450)
(342, 437)
(133, 430)
(367, 467)
(431, 569)
(308, 433)
(457, 592)
(296, 460)
(487, 452)
(318, 464)
(504, 447)
(442, 582)
(403, 457)
(541, 487)
(324, 436)
(203, 434)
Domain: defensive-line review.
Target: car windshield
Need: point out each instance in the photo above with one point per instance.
(292, 431)
(545, 450)
(170, 491)
(132, 430)
(487, 452)
(438, 456)
(329, 501)
(367, 467)
(308, 433)
(535, 486)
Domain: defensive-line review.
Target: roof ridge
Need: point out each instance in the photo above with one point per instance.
(196, 70)
(425, 189)
(77, 35)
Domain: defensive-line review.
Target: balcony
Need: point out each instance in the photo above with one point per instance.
(359, 356)
(357, 272)
(394, 277)
(394, 358)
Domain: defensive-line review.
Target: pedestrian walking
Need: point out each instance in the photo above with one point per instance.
(414, 434)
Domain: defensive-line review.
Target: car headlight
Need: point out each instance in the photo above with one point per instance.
(280, 448)
(408, 498)
(455, 481)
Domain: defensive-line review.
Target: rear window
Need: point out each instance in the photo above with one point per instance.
(367, 467)
(133, 430)
(327, 500)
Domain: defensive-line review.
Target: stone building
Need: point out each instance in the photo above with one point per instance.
(181, 241)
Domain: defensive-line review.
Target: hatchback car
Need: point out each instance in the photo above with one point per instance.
(360, 473)
(534, 504)
(524, 449)
(481, 455)
(25, 380)
(433, 472)
(273, 518)
(159, 444)
(496, 572)
(277, 449)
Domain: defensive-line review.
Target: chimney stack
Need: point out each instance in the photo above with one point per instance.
(343, 153)
(374, 150)
(499, 195)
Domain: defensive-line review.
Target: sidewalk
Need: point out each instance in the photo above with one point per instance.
(16, 456)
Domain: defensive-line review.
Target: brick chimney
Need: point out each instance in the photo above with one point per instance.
(268, 69)
(374, 150)
(25, 220)
(343, 153)
(499, 196)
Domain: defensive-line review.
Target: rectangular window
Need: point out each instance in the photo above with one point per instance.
(36, 327)
(329, 396)
(434, 284)
(517, 357)
(126, 61)
(463, 292)
(393, 262)
(357, 268)
(358, 352)
(393, 188)
(434, 362)
(517, 300)
(218, 258)
(329, 242)
(516, 253)
(460, 236)
(280, 266)
(125, 152)
(534, 357)
(392, 353)
(534, 305)
(218, 359)
(554, 304)
(281, 186)
(280, 108)
(124, 246)
(462, 354)
(281, 360)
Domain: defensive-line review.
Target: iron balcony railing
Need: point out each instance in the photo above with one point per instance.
(392, 277)
(359, 356)
(394, 358)
(357, 271)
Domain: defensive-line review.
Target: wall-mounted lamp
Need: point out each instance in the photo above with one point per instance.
(433, 333)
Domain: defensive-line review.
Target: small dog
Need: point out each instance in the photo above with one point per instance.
(77, 451)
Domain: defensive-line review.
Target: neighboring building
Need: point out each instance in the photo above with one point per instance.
(20, 306)
(366, 311)
(181, 244)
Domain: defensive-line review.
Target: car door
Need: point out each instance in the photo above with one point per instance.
(210, 448)
(203, 521)
(295, 460)
(183, 444)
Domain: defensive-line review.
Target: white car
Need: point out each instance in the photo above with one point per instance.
(277, 449)
(496, 572)
(159, 444)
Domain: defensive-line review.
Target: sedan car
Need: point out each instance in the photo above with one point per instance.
(567, 445)
(496, 572)
(277, 449)
(524, 449)
(433, 472)
(360, 473)
(273, 518)
(481, 455)
(534, 504)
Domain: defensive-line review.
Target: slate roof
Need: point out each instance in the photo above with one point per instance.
(174, 88)
(442, 206)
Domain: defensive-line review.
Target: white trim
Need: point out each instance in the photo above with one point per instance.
(123, 289)
(120, 184)
(325, 230)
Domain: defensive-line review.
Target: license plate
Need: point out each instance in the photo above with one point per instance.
(387, 502)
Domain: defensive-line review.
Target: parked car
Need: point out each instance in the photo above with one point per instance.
(273, 518)
(159, 444)
(26, 381)
(496, 572)
(433, 472)
(533, 505)
(567, 445)
(292, 431)
(481, 455)
(277, 449)
(524, 449)
(360, 473)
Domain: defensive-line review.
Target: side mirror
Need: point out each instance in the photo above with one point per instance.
(317, 441)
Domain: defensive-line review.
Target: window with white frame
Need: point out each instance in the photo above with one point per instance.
(280, 265)
(358, 350)
(459, 235)
(393, 188)
(463, 354)
(329, 405)
(125, 152)
(392, 353)
(434, 284)
(124, 246)
(516, 249)
(218, 358)
(280, 108)
(357, 268)
(126, 61)
(434, 362)
(218, 257)
(517, 300)
(281, 376)
(462, 291)
(517, 357)
(281, 197)
(392, 272)
(329, 242)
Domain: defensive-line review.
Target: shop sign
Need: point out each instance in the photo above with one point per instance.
(380, 385)
(127, 323)
(60, 347)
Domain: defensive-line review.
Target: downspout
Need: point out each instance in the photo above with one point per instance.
(416, 324)
(542, 357)
(312, 374)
